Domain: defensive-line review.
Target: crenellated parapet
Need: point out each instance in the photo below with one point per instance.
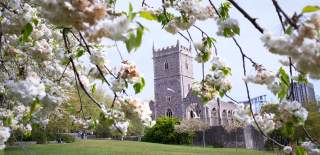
(171, 50)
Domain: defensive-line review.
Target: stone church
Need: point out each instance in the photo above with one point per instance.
(173, 77)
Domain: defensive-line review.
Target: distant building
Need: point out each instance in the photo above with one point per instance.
(173, 77)
(257, 102)
(303, 93)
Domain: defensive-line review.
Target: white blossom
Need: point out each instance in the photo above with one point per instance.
(27, 90)
(4, 136)
(311, 148)
(287, 149)
(98, 58)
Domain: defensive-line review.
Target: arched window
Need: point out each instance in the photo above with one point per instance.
(192, 114)
(229, 113)
(214, 117)
(224, 117)
(169, 113)
(187, 65)
(166, 66)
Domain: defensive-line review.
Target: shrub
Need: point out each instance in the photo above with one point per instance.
(66, 138)
(163, 132)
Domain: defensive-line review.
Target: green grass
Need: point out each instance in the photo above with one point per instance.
(108, 147)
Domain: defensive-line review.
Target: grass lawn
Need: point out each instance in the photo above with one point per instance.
(109, 147)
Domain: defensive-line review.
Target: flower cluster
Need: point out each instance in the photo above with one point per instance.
(301, 46)
(190, 125)
(205, 52)
(98, 58)
(4, 136)
(228, 27)
(85, 123)
(191, 11)
(214, 84)
(27, 90)
(14, 22)
(242, 114)
(141, 108)
(195, 8)
(265, 77)
(110, 27)
(287, 149)
(311, 148)
(295, 109)
(265, 122)
(127, 74)
(68, 13)
(262, 76)
(122, 126)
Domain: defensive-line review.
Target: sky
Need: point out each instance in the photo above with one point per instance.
(249, 40)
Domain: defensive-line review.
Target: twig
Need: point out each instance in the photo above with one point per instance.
(246, 15)
(225, 94)
(275, 3)
(58, 80)
(309, 136)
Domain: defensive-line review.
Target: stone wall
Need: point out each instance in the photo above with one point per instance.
(217, 136)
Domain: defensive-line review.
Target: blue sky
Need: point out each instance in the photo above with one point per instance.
(249, 40)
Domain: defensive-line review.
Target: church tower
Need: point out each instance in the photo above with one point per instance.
(173, 76)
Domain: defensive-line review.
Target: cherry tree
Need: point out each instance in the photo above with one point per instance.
(50, 47)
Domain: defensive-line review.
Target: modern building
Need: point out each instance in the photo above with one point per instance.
(257, 102)
(173, 77)
(303, 93)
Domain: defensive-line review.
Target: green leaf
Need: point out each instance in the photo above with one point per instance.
(300, 151)
(224, 10)
(130, 7)
(79, 53)
(288, 130)
(134, 40)
(164, 19)
(93, 88)
(35, 21)
(226, 70)
(289, 30)
(131, 14)
(138, 87)
(310, 8)
(147, 15)
(302, 79)
(284, 76)
(26, 32)
(35, 105)
(236, 30)
(7, 121)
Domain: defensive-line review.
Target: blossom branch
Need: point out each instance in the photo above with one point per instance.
(75, 69)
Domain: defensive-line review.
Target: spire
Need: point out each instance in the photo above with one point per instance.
(153, 46)
(178, 43)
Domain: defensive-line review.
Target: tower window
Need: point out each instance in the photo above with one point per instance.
(168, 98)
(166, 65)
(187, 66)
(169, 113)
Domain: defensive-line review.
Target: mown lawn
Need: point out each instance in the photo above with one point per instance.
(109, 147)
